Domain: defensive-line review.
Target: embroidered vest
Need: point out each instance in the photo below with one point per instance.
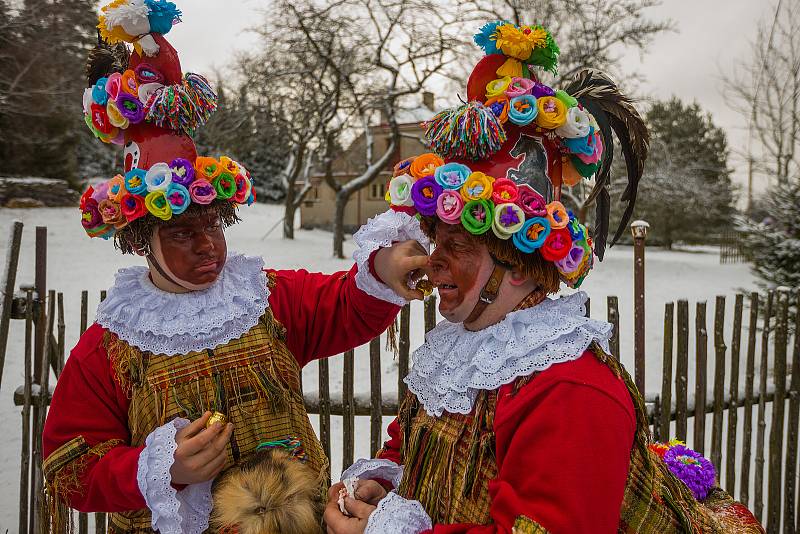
(253, 380)
(449, 461)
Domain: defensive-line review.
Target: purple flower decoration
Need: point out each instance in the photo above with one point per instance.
(424, 193)
(540, 90)
(182, 172)
(146, 73)
(691, 468)
(130, 107)
(509, 217)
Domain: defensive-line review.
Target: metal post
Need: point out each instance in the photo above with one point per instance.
(639, 231)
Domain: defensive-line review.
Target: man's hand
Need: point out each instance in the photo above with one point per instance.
(396, 264)
(370, 492)
(338, 523)
(200, 455)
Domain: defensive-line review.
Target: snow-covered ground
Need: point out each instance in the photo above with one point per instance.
(77, 263)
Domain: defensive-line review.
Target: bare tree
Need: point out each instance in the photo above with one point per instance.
(765, 90)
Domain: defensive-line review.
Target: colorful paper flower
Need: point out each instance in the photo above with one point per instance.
(134, 181)
(519, 87)
(111, 214)
(402, 167)
(158, 205)
(477, 216)
(129, 84)
(424, 193)
(202, 191)
(557, 214)
(114, 85)
(541, 90)
(162, 15)
(584, 169)
(207, 168)
(576, 230)
(400, 190)
(576, 126)
(90, 214)
(146, 73)
(100, 120)
(132, 207)
(86, 196)
(425, 165)
(519, 42)
(522, 110)
(146, 92)
(557, 245)
(508, 219)
(158, 177)
(116, 189)
(452, 175)
(99, 94)
(229, 166)
(498, 87)
(225, 185)
(252, 197)
(100, 192)
(178, 198)
(182, 171)
(552, 112)
(532, 235)
(691, 468)
(242, 189)
(504, 190)
(130, 107)
(87, 100)
(570, 263)
(477, 186)
(486, 37)
(531, 202)
(596, 143)
(568, 100)
(449, 206)
(499, 105)
(581, 145)
(114, 115)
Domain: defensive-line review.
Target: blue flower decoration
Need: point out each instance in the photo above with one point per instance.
(162, 15)
(99, 94)
(581, 145)
(484, 37)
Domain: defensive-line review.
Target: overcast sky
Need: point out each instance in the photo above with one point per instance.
(711, 35)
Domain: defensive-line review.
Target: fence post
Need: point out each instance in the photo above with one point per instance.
(639, 231)
(430, 313)
(778, 410)
(682, 371)
(404, 345)
(750, 374)
(790, 513)
(348, 411)
(666, 380)
(376, 412)
(733, 408)
(25, 458)
(719, 383)
(12, 261)
(612, 305)
(758, 508)
(701, 370)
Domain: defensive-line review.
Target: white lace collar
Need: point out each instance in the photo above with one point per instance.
(169, 323)
(454, 364)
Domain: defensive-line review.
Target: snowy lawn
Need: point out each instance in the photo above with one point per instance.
(77, 263)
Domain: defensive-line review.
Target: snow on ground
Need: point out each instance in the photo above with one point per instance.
(77, 263)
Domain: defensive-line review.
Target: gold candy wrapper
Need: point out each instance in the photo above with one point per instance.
(426, 286)
(217, 417)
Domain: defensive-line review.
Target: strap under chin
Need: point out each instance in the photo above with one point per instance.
(488, 293)
(163, 272)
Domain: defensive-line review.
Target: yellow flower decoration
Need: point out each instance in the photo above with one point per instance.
(477, 186)
(156, 203)
(552, 112)
(519, 42)
(115, 117)
(497, 87)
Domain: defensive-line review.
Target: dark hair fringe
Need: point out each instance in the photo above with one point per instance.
(136, 236)
(543, 272)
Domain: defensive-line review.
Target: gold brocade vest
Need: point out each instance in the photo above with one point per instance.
(253, 380)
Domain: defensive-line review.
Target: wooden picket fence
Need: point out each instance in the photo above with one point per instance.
(753, 416)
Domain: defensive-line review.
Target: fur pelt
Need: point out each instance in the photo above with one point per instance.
(270, 493)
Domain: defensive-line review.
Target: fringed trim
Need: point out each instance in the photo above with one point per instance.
(182, 107)
(274, 327)
(62, 471)
(391, 338)
(126, 362)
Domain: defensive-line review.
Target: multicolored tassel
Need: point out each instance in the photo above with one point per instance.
(182, 107)
(471, 131)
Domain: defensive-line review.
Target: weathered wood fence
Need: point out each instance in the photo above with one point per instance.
(740, 406)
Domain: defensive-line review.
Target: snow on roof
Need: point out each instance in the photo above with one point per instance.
(30, 180)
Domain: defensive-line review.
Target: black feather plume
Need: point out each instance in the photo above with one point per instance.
(613, 112)
(105, 59)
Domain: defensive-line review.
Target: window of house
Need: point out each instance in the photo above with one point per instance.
(377, 191)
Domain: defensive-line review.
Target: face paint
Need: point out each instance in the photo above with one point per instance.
(193, 249)
(460, 267)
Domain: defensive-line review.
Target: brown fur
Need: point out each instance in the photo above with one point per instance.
(271, 493)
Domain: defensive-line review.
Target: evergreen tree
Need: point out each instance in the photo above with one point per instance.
(686, 192)
(773, 243)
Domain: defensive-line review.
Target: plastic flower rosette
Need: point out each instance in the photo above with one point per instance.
(163, 191)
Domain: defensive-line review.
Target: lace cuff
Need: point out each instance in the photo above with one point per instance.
(399, 516)
(173, 512)
(380, 232)
(375, 468)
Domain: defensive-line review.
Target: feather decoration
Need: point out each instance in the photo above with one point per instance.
(613, 112)
(105, 59)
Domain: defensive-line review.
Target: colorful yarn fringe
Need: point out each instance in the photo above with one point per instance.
(290, 444)
(182, 107)
(471, 131)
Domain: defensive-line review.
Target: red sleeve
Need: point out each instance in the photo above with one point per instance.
(87, 433)
(563, 446)
(325, 314)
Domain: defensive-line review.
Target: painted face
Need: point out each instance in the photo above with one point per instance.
(194, 248)
(460, 266)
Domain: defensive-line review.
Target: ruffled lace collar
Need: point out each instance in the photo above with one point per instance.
(454, 364)
(168, 323)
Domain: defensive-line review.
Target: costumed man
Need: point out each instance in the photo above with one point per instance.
(518, 419)
(195, 361)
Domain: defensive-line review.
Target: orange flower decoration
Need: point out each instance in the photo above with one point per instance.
(129, 83)
(425, 165)
(207, 168)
